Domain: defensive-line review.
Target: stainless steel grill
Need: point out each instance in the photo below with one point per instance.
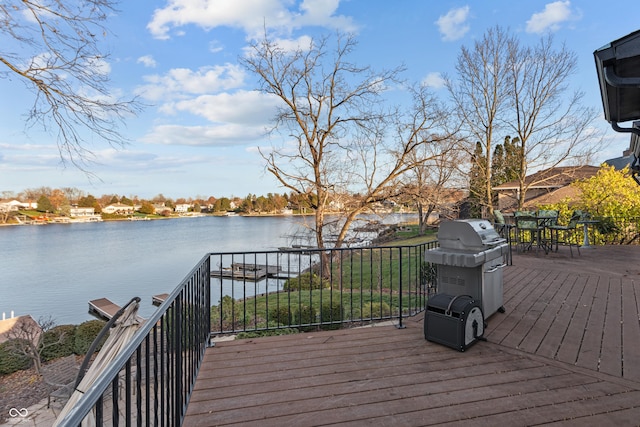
(470, 261)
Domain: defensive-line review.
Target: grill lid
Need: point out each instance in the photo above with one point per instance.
(468, 235)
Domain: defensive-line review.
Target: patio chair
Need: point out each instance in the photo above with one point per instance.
(527, 230)
(546, 219)
(60, 377)
(504, 230)
(567, 235)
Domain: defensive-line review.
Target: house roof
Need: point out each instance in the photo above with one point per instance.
(568, 192)
(619, 163)
(552, 178)
(16, 327)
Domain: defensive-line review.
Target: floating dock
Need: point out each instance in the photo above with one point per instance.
(105, 309)
(159, 299)
(252, 272)
(240, 274)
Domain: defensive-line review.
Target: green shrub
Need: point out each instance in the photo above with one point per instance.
(375, 310)
(10, 361)
(229, 315)
(331, 312)
(305, 315)
(606, 226)
(85, 334)
(58, 342)
(280, 315)
(305, 282)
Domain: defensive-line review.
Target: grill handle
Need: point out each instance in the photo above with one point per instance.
(448, 311)
(491, 270)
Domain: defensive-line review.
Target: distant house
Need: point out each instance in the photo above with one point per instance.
(15, 205)
(161, 209)
(543, 187)
(118, 208)
(182, 207)
(77, 212)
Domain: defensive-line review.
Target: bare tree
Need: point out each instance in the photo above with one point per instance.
(433, 184)
(550, 123)
(524, 92)
(333, 111)
(480, 96)
(27, 338)
(54, 48)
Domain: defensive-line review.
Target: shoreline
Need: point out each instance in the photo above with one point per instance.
(70, 221)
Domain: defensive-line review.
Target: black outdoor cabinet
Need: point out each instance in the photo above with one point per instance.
(454, 321)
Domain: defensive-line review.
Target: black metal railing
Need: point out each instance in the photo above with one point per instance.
(151, 379)
(314, 289)
(615, 231)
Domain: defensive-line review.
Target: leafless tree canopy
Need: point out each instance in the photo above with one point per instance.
(553, 127)
(434, 184)
(340, 131)
(53, 47)
(506, 89)
(480, 92)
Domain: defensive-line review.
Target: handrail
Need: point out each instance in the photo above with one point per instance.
(95, 395)
(318, 288)
(151, 379)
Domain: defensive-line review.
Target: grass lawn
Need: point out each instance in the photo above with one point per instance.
(364, 284)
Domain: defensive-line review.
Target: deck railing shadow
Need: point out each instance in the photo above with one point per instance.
(151, 380)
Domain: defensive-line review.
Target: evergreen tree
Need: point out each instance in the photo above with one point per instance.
(44, 204)
(87, 202)
(498, 169)
(477, 181)
(513, 158)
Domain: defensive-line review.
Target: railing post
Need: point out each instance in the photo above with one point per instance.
(400, 325)
(178, 361)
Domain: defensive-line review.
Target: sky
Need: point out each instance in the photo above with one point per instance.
(203, 121)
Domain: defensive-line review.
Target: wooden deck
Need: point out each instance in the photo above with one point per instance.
(566, 352)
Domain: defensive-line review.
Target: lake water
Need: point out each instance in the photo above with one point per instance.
(54, 270)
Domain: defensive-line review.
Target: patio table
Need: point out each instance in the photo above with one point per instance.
(538, 232)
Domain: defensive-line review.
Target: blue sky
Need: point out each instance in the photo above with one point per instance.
(198, 135)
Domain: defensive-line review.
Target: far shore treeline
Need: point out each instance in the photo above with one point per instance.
(45, 203)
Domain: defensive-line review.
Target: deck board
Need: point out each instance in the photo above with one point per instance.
(567, 351)
(570, 346)
(630, 329)
(611, 360)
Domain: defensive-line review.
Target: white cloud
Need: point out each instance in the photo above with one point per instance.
(453, 25)
(239, 118)
(147, 61)
(242, 107)
(215, 46)
(433, 80)
(550, 19)
(204, 136)
(98, 66)
(248, 15)
(181, 82)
